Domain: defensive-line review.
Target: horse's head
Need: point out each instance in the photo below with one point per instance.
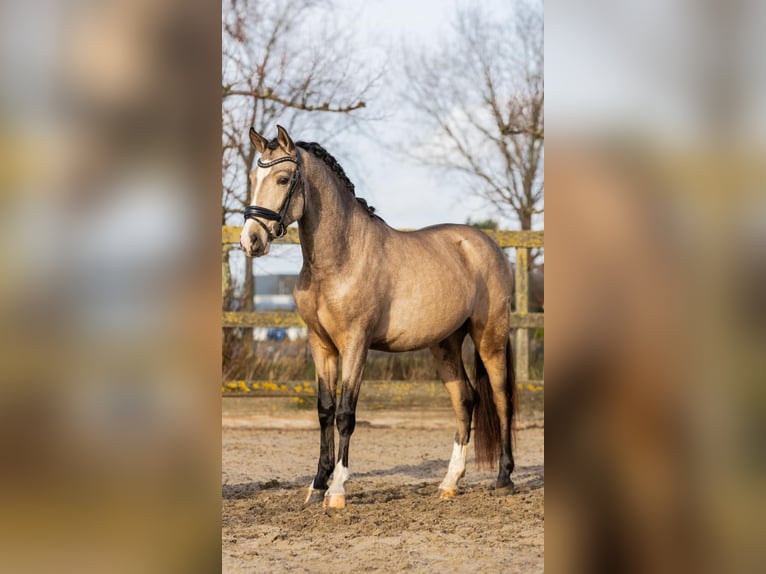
(276, 193)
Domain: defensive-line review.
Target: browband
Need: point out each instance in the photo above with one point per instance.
(275, 161)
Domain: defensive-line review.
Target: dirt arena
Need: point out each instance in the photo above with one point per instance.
(394, 520)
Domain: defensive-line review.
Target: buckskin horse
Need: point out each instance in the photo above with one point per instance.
(365, 285)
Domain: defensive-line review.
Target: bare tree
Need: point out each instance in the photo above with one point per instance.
(285, 61)
(480, 96)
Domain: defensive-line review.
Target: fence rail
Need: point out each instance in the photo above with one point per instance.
(504, 238)
(234, 319)
(521, 319)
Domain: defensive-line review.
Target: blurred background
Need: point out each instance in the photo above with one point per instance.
(655, 248)
(109, 256)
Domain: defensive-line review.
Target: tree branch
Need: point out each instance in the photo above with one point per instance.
(268, 94)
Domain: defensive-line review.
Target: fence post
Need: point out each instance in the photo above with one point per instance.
(522, 308)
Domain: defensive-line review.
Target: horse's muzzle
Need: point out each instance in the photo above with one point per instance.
(256, 249)
(253, 246)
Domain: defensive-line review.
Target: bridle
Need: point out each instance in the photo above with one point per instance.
(254, 212)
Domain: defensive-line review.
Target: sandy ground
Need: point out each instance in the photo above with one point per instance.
(394, 521)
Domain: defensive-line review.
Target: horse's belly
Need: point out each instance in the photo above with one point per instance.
(400, 345)
(418, 327)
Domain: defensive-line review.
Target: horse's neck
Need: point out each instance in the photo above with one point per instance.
(330, 220)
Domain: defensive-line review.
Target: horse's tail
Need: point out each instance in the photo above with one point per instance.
(487, 422)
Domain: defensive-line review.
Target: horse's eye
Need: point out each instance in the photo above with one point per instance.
(283, 181)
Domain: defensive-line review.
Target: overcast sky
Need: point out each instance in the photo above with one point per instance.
(404, 193)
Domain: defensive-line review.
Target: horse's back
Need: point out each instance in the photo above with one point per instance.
(477, 251)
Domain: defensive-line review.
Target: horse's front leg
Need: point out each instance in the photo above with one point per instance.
(353, 368)
(325, 357)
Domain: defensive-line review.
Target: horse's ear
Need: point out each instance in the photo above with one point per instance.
(258, 140)
(285, 142)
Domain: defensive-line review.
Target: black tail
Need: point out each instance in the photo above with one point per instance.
(487, 427)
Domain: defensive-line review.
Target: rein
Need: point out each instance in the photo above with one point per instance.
(254, 212)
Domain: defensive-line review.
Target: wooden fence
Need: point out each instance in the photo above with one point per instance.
(521, 318)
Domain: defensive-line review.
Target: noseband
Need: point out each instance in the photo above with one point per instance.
(254, 212)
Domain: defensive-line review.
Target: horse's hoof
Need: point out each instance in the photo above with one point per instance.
(334, 501)
(314, 497)
(505, 490)
(447, 493)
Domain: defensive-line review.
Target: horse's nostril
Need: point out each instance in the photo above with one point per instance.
(249, 243)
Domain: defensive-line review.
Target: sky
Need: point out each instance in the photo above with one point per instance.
(405, 194)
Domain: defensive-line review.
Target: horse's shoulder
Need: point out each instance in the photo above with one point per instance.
(304, 291)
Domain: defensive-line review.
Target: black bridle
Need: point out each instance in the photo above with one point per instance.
(254, 212)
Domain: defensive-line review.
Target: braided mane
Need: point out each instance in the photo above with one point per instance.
(331, 162)
(321, 153)
(336, 168)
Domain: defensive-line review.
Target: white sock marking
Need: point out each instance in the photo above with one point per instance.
(456, 468)
(339, 477)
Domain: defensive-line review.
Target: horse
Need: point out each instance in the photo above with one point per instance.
(365, 285)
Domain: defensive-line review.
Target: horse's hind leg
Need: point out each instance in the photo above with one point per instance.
(494, 350)
(449, 363)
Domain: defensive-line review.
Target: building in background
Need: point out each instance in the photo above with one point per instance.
(275, 293)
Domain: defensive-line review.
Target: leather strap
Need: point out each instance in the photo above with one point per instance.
(255, 212)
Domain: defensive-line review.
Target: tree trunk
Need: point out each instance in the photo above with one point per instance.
(525, 219)
(225, 277)
(248, 304)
